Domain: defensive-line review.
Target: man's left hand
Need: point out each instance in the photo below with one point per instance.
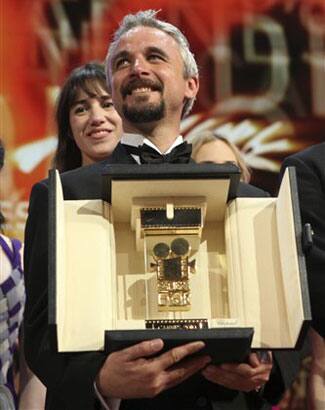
(242, 376)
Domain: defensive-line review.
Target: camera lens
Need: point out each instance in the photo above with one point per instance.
(180, 246)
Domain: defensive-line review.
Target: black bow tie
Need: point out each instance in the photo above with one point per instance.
(181, 154)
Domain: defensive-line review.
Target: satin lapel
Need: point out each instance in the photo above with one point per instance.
(120, 156)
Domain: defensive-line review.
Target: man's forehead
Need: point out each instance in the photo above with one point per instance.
(144, 37)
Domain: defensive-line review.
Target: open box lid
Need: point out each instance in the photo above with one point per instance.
(194, 171)
(266, 266)
(216, 183)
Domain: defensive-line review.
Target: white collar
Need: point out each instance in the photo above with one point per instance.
(134, 140)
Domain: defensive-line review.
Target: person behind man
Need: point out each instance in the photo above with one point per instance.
(18, 386)
(88, 125)
(12, 299)
(310, 170)
(211, 147)
(153, 78)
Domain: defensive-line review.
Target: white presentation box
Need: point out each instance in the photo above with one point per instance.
(248, 289)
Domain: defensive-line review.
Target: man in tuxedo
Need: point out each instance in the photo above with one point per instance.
(153, 77)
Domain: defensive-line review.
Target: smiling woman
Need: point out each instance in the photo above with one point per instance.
(89, 127)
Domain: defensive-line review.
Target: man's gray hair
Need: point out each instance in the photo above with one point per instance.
(148, 18)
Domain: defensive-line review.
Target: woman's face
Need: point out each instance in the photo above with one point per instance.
(96, 126)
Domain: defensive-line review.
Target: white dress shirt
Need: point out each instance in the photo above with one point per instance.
(136, 140)
(133, 140)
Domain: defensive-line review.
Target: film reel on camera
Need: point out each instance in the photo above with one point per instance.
(173, 267)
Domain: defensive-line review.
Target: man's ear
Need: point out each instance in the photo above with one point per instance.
(192, 87)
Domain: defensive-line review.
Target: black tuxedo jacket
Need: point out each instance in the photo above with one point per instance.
(310, 167)
(69, 378)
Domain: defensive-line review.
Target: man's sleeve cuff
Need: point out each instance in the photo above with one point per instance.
(108, 404)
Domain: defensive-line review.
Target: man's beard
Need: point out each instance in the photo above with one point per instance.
(149, 113)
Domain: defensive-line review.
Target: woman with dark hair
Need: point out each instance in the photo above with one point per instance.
(89, 127)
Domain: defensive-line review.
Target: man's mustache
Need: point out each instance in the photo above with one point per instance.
(140, 83)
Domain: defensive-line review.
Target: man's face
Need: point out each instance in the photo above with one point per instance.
(147, 76)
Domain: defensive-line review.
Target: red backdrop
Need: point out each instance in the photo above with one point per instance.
(262, 77)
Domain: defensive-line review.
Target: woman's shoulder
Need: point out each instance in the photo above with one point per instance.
(12, 249)
(5, 239)
(12, 244)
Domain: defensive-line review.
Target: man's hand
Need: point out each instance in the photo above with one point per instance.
(134, 373)
(243, 376)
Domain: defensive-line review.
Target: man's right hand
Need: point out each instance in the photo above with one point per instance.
(134, 373)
